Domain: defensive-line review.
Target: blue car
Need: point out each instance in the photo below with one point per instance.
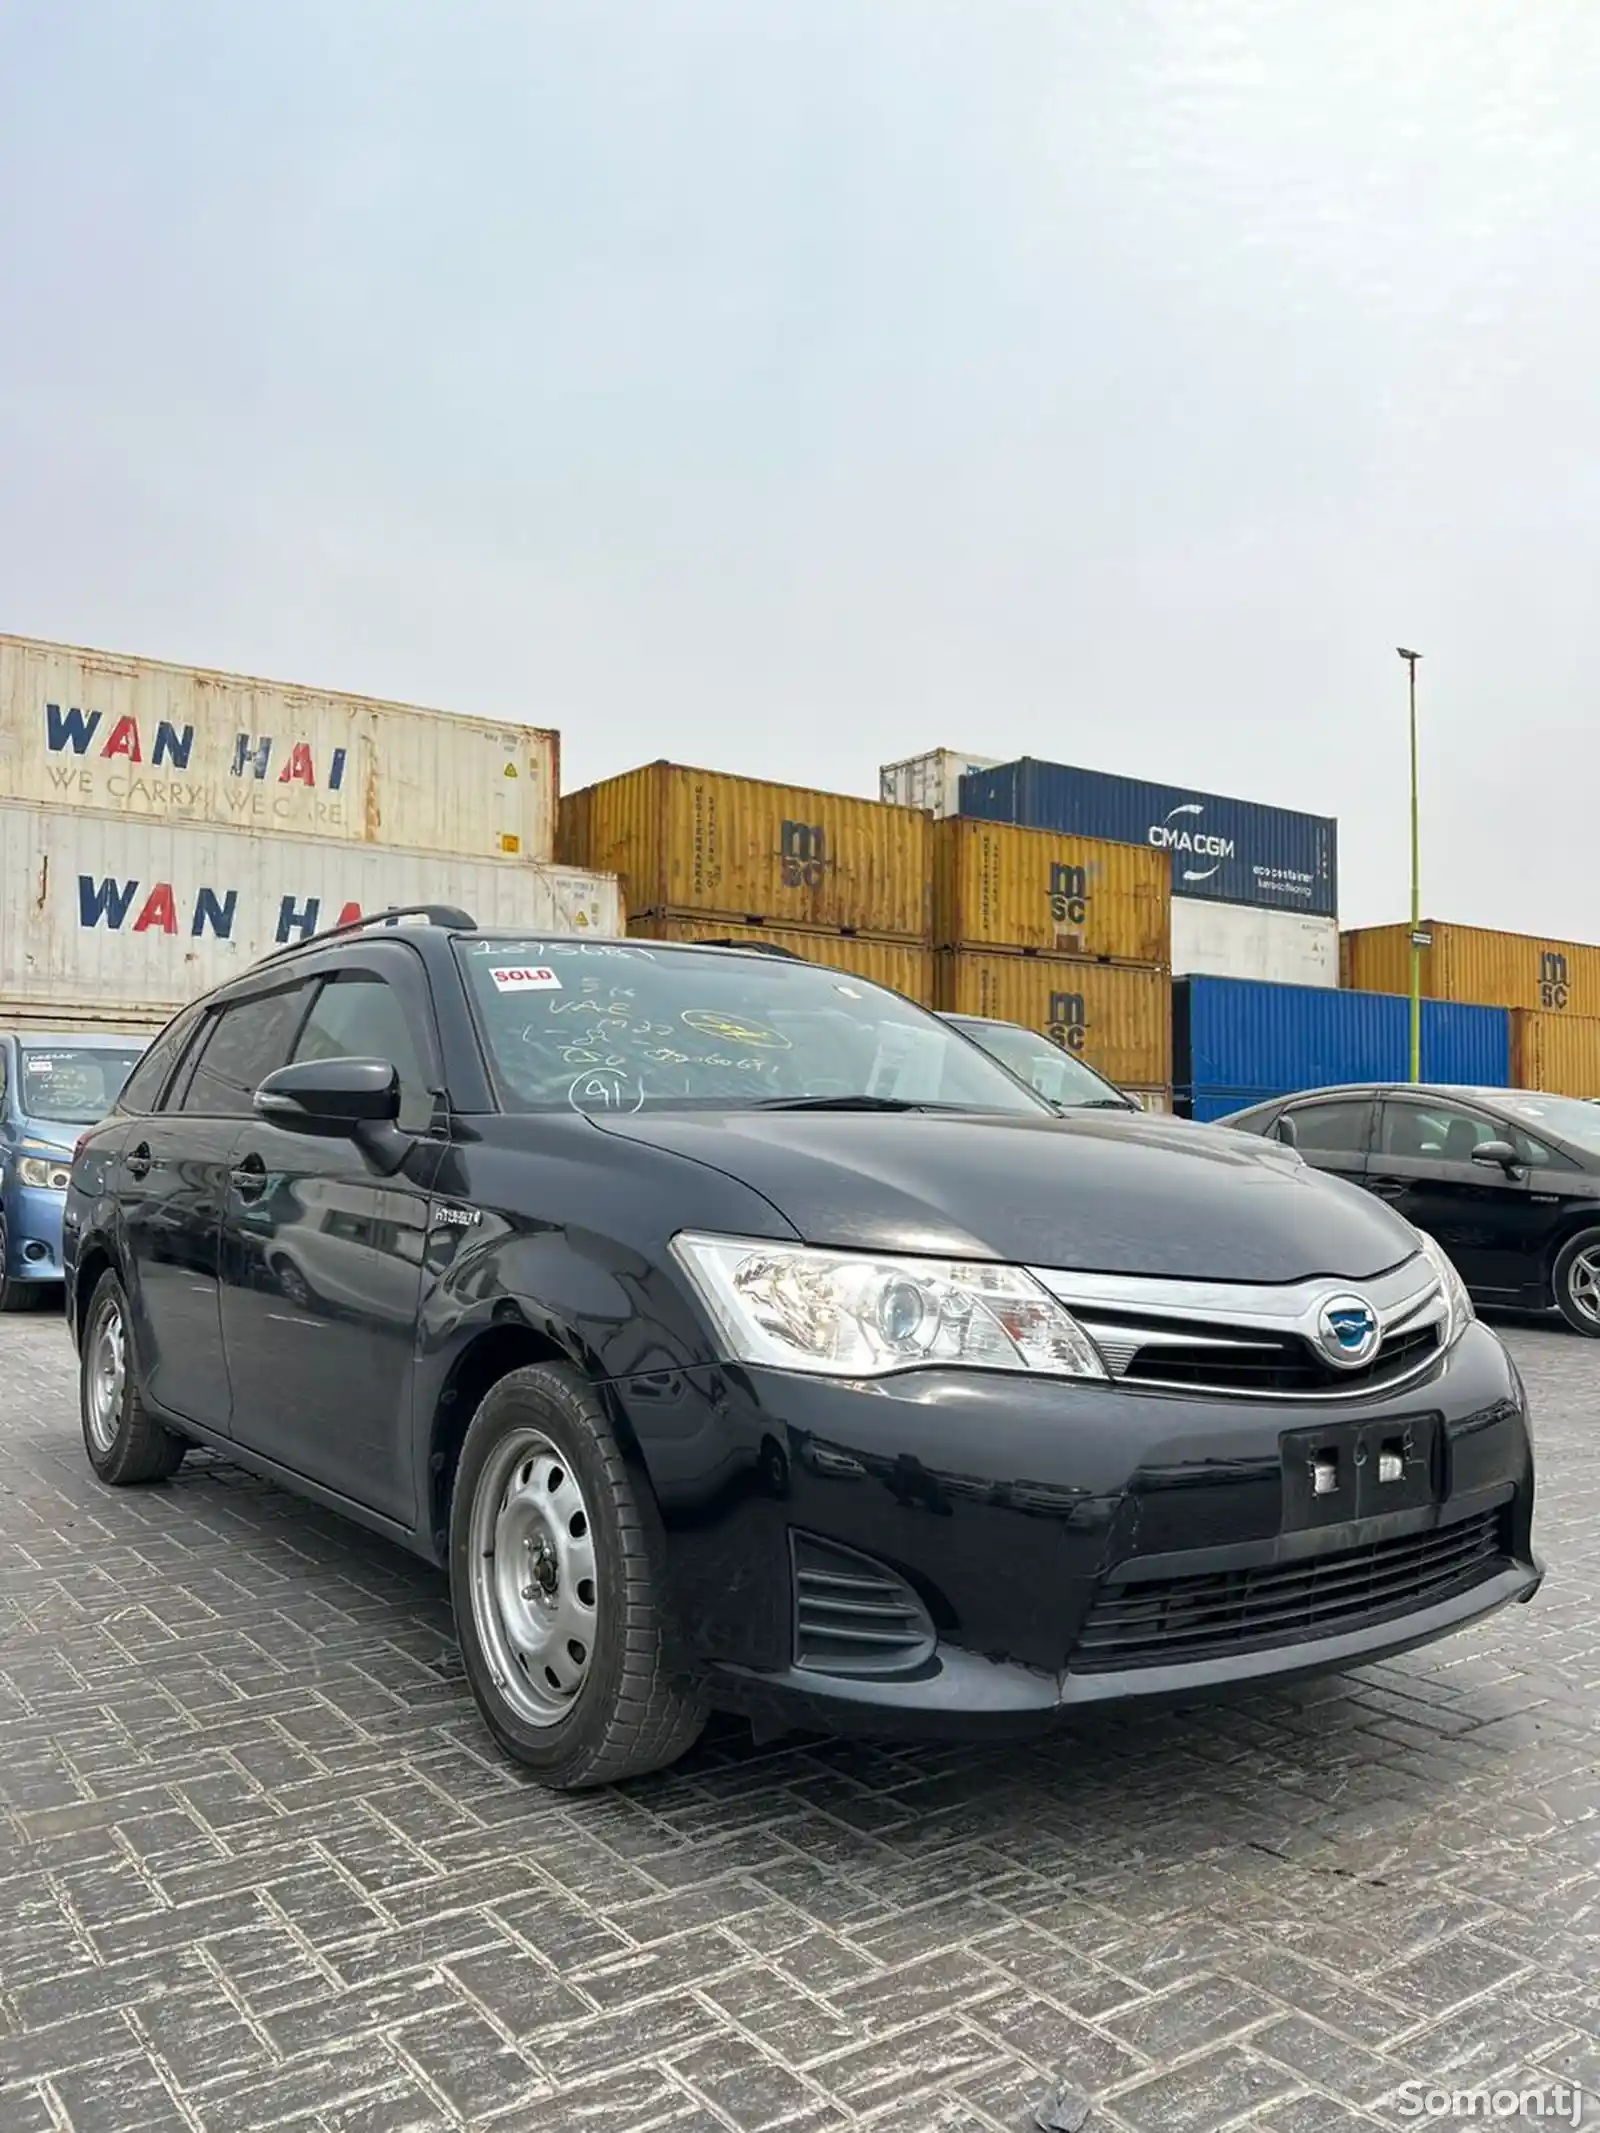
(51, 1088)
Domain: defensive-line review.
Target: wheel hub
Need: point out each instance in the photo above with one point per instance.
(107, 1379)
(533, 1582)
(1583, 1284)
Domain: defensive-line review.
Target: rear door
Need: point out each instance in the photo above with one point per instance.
(1333, 1133)
(323, 1245)
(172, 1184)
(1492, 1223)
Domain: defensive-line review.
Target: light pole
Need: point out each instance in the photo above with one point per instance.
(1411, 659)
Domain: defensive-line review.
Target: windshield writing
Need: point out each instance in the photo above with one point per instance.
(622, 1027)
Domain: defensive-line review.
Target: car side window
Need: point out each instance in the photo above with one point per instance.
(143, 1089)
(246, 1041)
(1435, 1132)
(1331, 1129)
(362, 1017)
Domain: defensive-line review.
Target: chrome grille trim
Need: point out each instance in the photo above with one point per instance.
(1242, 1318)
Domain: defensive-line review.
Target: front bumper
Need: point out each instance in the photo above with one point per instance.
(1025, 1515)
(32, 1232)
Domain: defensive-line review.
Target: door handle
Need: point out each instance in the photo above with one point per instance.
(1387, 1188)
(249, 1178)
(137, 1164)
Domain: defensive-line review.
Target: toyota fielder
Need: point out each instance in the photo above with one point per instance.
(737, 1334)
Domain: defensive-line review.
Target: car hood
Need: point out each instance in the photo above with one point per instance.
(1103, 1192)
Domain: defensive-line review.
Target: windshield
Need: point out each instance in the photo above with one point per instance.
(1566, 1117)
(626, 1027)
(69, 1085)
(1044, 1066)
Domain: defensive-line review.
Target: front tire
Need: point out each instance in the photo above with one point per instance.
(1577, 1282)
(125, 1442)
(556, 1585)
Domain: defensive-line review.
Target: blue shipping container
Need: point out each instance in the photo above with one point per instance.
(1228, 851)
(1237, 1041)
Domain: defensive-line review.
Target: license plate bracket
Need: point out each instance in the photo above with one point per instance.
(1349, 1470)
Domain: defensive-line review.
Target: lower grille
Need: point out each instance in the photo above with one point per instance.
(853, 1615)
(1168, 1621)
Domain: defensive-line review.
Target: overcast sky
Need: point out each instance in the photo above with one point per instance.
(792, 385)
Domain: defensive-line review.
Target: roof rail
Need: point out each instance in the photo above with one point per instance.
(435, 914)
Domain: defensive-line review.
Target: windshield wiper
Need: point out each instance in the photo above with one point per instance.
(1102, 1103)
(849, 1103)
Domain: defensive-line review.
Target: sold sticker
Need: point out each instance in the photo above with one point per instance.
(525, 980)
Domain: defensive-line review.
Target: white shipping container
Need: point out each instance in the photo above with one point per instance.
(102, 920)
(932, 781)
(1251, 941)
(142, 740)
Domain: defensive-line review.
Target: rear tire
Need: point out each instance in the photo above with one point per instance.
(556, 1583)
(1577, 1282)
(125, 1442)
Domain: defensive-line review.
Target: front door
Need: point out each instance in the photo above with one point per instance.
(322, 1259)
(1488, 1220)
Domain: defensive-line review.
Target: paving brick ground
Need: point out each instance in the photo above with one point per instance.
(259, 1866)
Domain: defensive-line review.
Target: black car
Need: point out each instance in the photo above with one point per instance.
(1050, 1070)
(1507, 1180)
(740, 1335)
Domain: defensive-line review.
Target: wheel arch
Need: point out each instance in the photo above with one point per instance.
(94, 1262)
(490, 1354)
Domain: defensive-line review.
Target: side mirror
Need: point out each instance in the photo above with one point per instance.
(330, 1096)
(1496, 1155)
(1287, 1131)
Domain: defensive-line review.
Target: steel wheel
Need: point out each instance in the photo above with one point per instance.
(1583, 1284)
(106, 1379)
(532, 1578)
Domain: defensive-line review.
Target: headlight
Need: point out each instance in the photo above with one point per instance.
(851, 1315)
(1461, 1312)
(47, 1173)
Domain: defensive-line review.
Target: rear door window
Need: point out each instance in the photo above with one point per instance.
(146, 1085)
(1332, 1128)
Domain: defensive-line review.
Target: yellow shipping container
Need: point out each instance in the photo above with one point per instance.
(1041, 892)
(1115, 1015)
(1559, 1054)
(904, 966)
(1156, 1101)
(1470, 963)
(699, 842)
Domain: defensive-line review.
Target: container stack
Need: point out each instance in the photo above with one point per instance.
(705, 856)
(1254, 889)
(1067, 935)
(162, 828)
(1551, 987)
(1237, 1043)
